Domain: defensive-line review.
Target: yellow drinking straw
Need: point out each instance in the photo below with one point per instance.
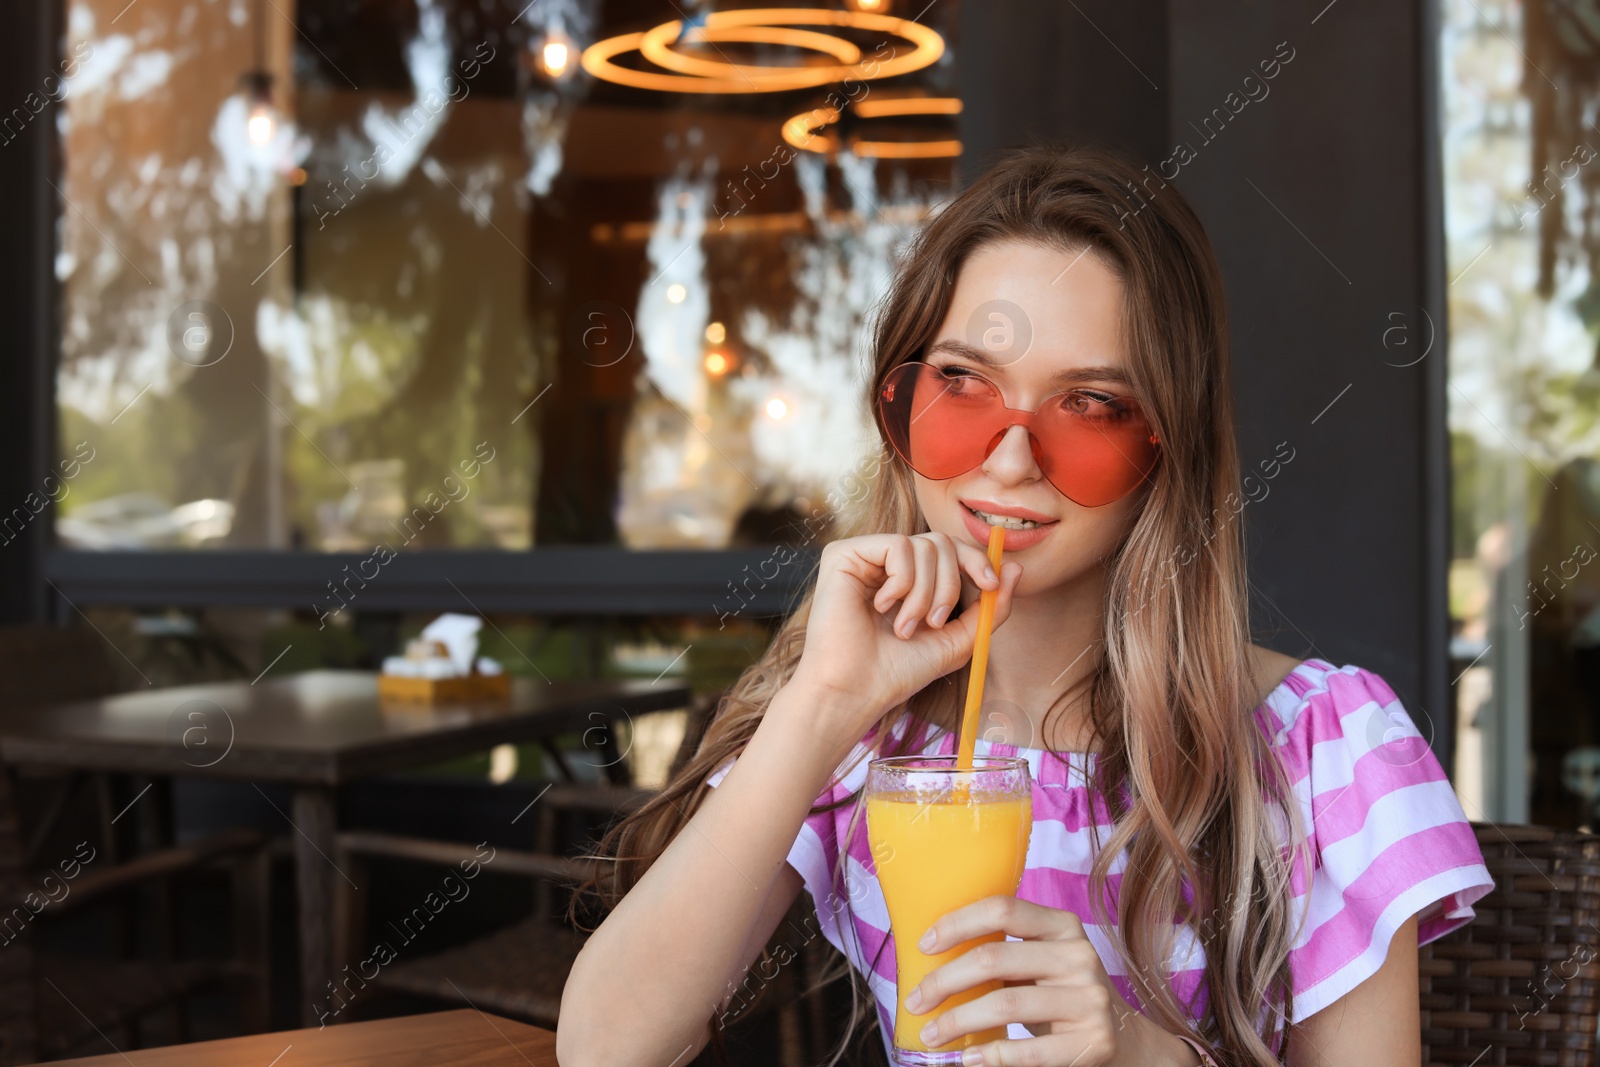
(980, 653)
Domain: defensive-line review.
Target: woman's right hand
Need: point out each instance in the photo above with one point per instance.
(859, 645)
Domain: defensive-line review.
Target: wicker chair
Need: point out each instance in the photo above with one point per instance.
(1520, 984)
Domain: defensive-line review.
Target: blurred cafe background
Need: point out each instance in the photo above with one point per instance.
(561, 303)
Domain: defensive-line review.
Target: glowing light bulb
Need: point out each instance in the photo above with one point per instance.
(261, 126)
(870, 5)
(716, 333)
(556, 55)
(776, 408)
(716, 364)
(676, 294)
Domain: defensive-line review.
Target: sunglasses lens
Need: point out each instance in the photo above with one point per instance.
(1094, 452)
(940, 426)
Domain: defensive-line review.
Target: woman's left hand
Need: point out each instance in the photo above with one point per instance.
(1055, 985)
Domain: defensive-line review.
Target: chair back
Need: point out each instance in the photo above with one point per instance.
(47, 665)
(1520, 984)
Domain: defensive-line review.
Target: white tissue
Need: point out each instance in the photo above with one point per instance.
(459, 634)
(400, 666)
(436, 668)
(488, 666)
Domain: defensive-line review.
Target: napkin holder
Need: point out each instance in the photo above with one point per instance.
(460, 689)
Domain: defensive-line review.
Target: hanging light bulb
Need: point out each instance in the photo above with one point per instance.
(261, 125)
(555, 54)
(870, 6)
(263, 121)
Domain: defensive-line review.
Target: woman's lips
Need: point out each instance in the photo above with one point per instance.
(1015, 540)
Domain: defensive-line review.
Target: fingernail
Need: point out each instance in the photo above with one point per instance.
(988, 572)
(927, 1032)
(938, 615)
(914, 1000)
(972, 1057)
(927, 940)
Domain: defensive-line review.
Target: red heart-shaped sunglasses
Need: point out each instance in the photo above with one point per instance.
(944, 421)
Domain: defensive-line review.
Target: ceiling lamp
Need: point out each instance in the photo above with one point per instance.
(688, 73)
(656, 44)
(809, 131)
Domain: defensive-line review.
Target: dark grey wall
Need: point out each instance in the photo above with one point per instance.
(1322, 201)
(1321, 196)
(1089, 70)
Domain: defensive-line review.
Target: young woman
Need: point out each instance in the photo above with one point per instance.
(1232, 851)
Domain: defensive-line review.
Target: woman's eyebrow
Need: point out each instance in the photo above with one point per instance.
(960, 348)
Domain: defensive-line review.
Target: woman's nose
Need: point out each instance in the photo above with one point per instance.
(1010, 459)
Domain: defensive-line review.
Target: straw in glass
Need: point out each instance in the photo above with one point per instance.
(980, 654)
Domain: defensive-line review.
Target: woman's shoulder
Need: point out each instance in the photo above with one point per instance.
(1269, 670)
(1316, 700)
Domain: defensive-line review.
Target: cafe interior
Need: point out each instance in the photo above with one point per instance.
(417, 413)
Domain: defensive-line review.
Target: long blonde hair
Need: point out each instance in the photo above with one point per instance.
(1194, 788)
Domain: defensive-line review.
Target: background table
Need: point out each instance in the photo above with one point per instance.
(461, 1038)
(314, 732)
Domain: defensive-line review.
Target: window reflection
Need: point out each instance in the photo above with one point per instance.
(1524, 393)
(315, 257)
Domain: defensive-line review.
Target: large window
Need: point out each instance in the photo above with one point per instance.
(344, 273)
(1521, 179)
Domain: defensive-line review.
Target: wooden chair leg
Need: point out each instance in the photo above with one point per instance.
(544, 841)
(252, 917)
(614, 763)
(809, 968)
(19, 1036)
(114, 849)
(350, 916)
(790, 1054)
(154, 821)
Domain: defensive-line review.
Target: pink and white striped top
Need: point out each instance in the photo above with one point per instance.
(1389, 841)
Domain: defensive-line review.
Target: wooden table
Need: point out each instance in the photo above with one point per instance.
(314, 732)
(461, 1038)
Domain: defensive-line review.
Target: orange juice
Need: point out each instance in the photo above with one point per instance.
(934, 855)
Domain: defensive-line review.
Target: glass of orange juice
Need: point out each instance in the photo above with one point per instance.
(942, 838)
